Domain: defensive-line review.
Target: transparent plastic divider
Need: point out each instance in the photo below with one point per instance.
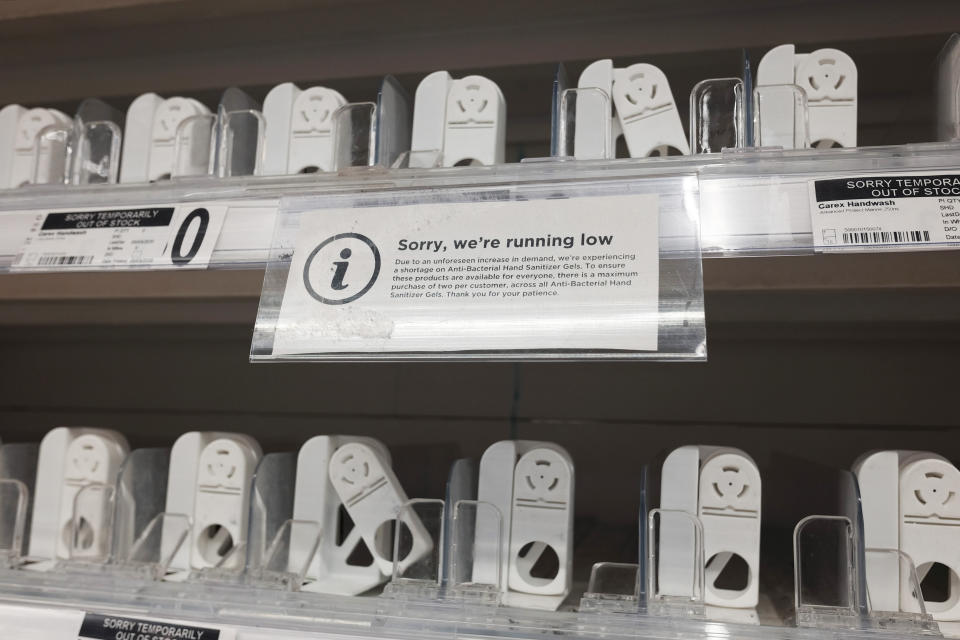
(96, 153)
(780, 116)
(242, 135)
(416, 578)
(419, 159)
(50, 165)
(394, 122)
(556, 99)
(193, 146)
(356, 130)
(286, 560)
(465, 551)
(271, 505)
(141, 493)
(825, 573)
(147, 555)
(613, 588)
(18, 474)
(948, 90)
(280, 549)
(675, 571)
(89, 534)
(584, 128)
(14, 498)
(912, 613)
(461, 486)
(675, 317)
(643, 535)
(717, 115)
(617, 587)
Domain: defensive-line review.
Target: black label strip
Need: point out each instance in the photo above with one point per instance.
(149, 217)
(883, 187)
(100, 627)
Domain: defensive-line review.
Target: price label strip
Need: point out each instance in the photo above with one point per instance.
(144, 237)
(552, 274)
(886, 210)
(96, 626)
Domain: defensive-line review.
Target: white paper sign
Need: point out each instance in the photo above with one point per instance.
(553, 274)
(181, 235)
(886, 210)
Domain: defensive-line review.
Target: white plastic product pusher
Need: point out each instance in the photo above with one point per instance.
(301, 129)
(721, 487)
(911, 504)
(373, 497)
(531, 486)
(70, 460)
(316, 500)
(828, 77)
(150, 137)
(25, 155)
(209, 486)
(640, 107)
(465, 120)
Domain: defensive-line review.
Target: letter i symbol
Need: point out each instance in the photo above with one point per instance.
(337, 283)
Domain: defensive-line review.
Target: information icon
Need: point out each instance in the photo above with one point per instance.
(341, 268)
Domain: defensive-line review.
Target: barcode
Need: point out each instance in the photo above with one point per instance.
(64, 260)
(878, 237)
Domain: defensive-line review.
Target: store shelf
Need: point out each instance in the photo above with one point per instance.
(814, 356)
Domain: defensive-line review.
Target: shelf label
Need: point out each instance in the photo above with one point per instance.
(97, 626)
(885, 210)
(550, 274)
(151, 236)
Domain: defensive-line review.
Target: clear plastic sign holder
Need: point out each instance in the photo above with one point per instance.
(777, 130)
(679, 320)
(717, 116)
(423, 580)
